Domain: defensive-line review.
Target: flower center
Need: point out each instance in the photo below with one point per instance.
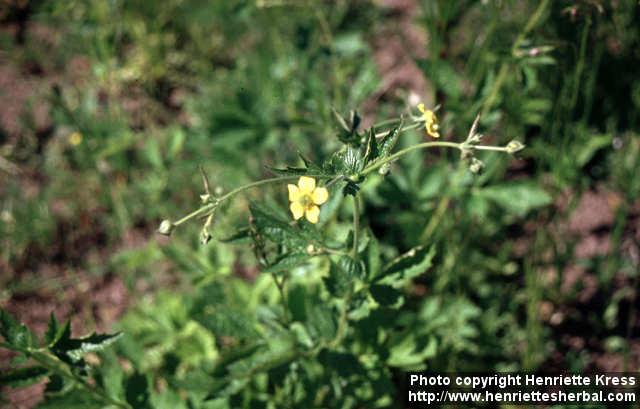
(306, 201)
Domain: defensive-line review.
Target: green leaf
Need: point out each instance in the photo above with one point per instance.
(297, 302)
(224, 312)
(593, 145)
(372, 256)
(346, 162)
(287, 262)
(77, 399)
(386, 295)
(77, 348)
(371, 152)
(407, 266)
(279, 350)
(137, 391)
(389, 141)
(349, 132)
(517, 198)
(240, 236)
(410, 351)
(310, 168)
(16, 335)
(23, 376)
(54, 330)
(320, 322)
(342, 275)
(350, 188)
(288, 171)
(276, 229)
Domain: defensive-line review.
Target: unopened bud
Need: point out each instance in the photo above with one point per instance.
(384, 169)
(166, 227)
(311, 250)
(476, 166)
(514, 146)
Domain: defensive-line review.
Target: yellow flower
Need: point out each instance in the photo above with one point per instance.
(430, 121)
(75, 138)
(305, 198)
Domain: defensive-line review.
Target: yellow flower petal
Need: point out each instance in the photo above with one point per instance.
(294, 193)
(421, 108)
(296, 209)
(312, 214)
(306, 185)
(320, 195)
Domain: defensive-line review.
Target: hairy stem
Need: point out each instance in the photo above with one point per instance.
(210, 206)
(356, 225)
(404, 151)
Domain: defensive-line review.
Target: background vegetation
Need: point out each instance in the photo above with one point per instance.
(109, 107)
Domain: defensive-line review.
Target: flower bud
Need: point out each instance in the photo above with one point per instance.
(384, 169)
(166, 227)
(476, 166)
(514, 146)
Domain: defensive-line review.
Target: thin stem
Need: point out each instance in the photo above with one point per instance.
(204, 209)
(210, 206)
(283, 296)
(435, 220)
(406, 128)
(256, 184)
(356, 225)
(404, 151)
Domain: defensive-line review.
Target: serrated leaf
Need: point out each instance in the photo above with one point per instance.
(287, 171)
(77, 348)
(310, 168)
(23, 376)
(407, 266)
(16, 335)
(346, 162)
(389, 141)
